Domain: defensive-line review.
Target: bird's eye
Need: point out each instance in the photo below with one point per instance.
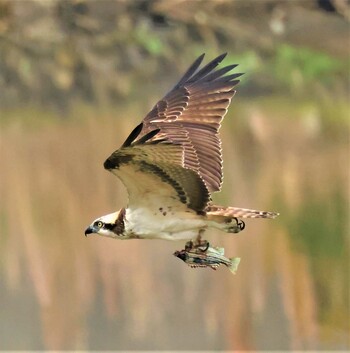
(99, 224)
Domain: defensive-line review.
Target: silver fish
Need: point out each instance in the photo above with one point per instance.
(210, 257)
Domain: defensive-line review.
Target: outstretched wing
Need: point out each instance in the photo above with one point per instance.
(153, 175)
(191, 114)
(177, 156)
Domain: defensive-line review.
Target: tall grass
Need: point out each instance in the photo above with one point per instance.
(291, 288)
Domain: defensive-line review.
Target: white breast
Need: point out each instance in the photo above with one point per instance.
(163, 223)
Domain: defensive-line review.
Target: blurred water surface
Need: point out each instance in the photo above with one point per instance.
(60, 290)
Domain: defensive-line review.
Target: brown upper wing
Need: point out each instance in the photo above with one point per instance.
(174, 155)
(191, 114)
(153, 174)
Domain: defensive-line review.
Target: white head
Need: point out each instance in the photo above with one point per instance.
(111, 225)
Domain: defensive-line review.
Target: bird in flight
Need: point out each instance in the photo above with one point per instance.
(171, 163)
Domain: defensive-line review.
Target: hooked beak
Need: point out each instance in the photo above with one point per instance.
(89, 230)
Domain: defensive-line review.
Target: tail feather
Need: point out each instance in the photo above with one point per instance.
(239, 212)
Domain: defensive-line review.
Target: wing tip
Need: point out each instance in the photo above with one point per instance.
(221, 57)
(133, 135)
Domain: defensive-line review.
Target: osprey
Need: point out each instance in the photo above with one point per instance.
(171, 163)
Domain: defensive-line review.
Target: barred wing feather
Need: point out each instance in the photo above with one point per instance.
(191, 114)
(175, 153)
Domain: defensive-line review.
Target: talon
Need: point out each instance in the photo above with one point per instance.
(241, 225)
(207, 244)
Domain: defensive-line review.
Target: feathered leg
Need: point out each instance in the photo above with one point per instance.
(228, 219)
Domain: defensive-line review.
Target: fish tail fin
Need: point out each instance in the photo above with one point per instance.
(234, 264)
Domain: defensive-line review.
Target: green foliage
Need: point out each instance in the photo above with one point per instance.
(249, 63)
(297, 67)
(319, 228)
(75, 52)
(148, 40)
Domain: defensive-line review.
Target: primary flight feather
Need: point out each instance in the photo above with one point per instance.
(172, 162)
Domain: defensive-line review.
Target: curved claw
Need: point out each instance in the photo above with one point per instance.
(207, 244)
(201, 245)
(240, 223)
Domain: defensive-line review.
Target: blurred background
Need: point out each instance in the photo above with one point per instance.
(75, 77)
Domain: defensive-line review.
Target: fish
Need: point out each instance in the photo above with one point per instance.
(210, 257)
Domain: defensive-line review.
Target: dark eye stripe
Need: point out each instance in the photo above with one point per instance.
(108, 226)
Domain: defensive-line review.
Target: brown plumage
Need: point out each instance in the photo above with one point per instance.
(188, 118)
(191, 114)
(171, 163)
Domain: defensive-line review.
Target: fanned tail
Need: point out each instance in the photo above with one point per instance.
(238, 212)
